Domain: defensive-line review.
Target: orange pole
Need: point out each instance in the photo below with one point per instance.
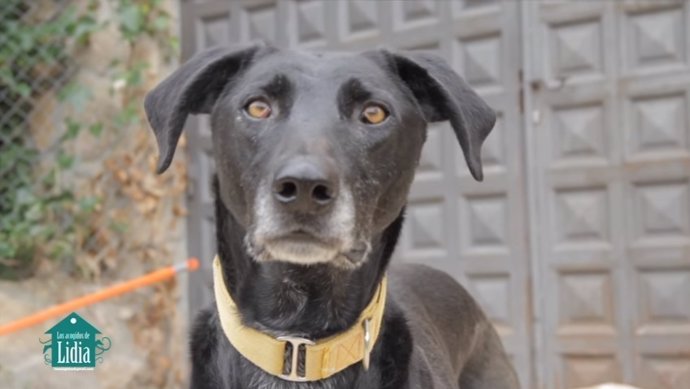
(156, 276)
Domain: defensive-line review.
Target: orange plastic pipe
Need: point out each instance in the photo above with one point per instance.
(156, 276)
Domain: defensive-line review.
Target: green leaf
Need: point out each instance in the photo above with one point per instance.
(86, 26)
(129, 115)
(65, 161)
(174, 43)
(88, 204)
(130, 18)
(62, 248)
(38, 231)
(73, 129)
(6, 249)
(49, 180)
(161, 22)
(76, 95)
(34, 213)
(24, 197)
(118, 227)
(134, 77)
(23, 89)
(96, 129)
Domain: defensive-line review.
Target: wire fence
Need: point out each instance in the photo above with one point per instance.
(34, 60)
(79, 198)
(36, 40)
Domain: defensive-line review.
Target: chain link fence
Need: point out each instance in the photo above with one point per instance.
(36, 40)
(34, 60)
(80, 203)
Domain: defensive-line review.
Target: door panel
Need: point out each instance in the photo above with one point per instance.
(609, 128)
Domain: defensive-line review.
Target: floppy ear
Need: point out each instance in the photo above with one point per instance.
(193, 88)
(443, 95)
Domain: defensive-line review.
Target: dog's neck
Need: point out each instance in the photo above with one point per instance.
(307, 301)
(310, 302)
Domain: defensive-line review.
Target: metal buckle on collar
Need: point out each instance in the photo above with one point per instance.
(368, 346)
(294, 360)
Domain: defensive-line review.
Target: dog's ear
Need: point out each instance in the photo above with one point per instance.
(443, 95)
(193, 88)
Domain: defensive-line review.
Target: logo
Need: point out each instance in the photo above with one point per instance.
(74, 344)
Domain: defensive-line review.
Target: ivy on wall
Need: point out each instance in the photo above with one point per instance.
(43, 215)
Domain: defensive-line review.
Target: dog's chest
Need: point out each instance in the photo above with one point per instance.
(258, 379)
(244, 374)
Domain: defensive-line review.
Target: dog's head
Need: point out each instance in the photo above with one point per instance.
(315, 153)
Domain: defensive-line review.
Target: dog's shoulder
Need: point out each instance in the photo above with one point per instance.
(417, 272)
(425, 281)
(443, 318)
(421, 288)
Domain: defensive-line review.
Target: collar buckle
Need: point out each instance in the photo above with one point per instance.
(295, 342)
(368, 344)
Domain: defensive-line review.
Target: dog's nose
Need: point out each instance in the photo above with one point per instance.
(306, 186)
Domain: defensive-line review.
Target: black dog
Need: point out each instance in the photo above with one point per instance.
(315, 154)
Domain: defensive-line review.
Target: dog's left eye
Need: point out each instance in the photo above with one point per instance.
(258, 109)
(373, 114)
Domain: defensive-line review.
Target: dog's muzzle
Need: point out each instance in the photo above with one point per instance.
(306, 222)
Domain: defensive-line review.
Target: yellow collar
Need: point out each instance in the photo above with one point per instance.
(323, 357)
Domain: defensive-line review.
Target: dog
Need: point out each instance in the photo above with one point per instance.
(315, 154)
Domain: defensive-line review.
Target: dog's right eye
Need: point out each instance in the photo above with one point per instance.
(258, 109)
(373, 114)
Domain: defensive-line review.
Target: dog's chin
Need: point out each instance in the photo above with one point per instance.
(305, 253)
(308, 252)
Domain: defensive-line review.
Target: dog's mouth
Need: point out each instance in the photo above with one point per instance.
(302, 236)
(304, 247)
